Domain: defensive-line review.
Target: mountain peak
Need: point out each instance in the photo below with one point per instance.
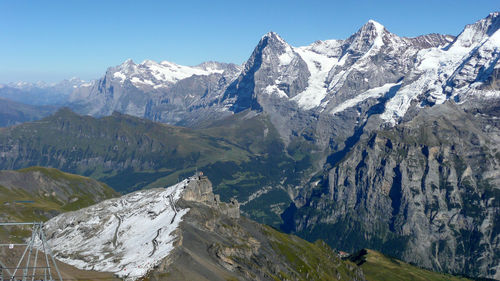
(368, 36)
(493, 20)
(272, 36)
(478, 31)
(128, 62)
(148, 62)
(494, 15)
(373, 27)
(127, 67)
(376, 24)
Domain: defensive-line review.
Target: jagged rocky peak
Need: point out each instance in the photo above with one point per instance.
(273, 42)
(476, 32)
(271, 50)
(129, 65)
(272, 36)
(199, 189)
(370, 34)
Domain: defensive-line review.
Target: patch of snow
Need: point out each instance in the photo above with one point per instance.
(120, 76)
(330, 48)
(214, 70)
(495, 38)
(319, 65)
(287, 57)
(274, 90)
(136, 80)
(171, 72)
(372, 93)
(379, 29)
(127, 236)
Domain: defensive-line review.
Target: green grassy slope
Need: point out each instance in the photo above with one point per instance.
(37, 194)
(309, 261)
(378, 267)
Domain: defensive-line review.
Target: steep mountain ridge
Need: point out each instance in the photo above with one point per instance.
(309, 92)
(456, 72)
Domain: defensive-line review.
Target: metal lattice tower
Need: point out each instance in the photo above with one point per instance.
(28, 267)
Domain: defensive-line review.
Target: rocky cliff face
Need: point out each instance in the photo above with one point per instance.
(199, 189)
(425, 191)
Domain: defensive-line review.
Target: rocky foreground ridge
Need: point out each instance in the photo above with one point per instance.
(184, 232)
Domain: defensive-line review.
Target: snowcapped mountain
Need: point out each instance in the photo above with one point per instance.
(161, 91)
(329, 88)
(461, 70)
(277, 77)
(158, 75)
(304, 87)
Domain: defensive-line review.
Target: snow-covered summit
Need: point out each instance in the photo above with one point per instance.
(127, 236)
(478, 31)
(156, 75)
(457, 71)
(369, 35)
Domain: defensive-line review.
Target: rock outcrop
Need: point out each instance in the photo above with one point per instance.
(199, 189)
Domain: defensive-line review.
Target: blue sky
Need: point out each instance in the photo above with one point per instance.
(53, 40)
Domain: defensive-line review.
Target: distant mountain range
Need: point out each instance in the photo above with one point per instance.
(377, 140)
